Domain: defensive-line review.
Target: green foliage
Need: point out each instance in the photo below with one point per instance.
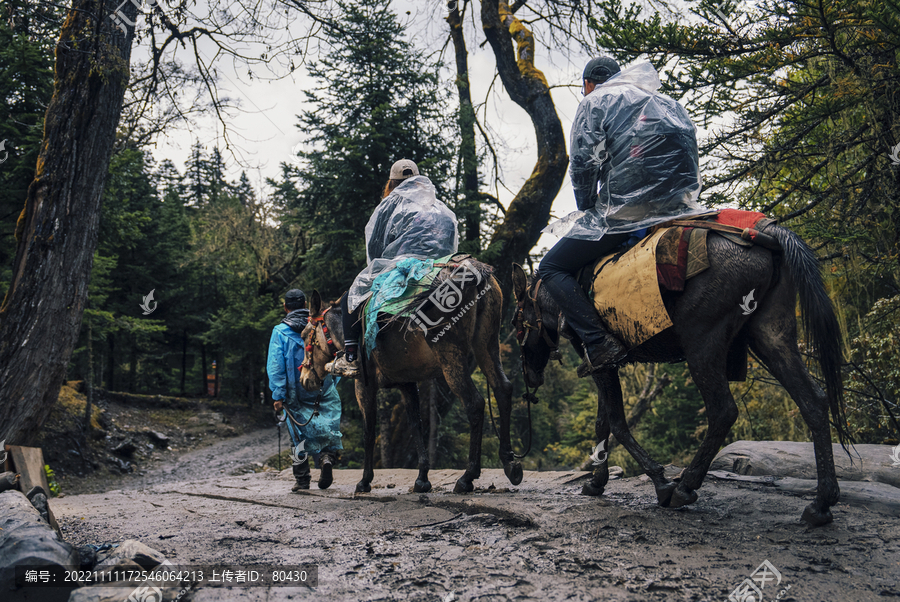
(51, 480)
(377, 101)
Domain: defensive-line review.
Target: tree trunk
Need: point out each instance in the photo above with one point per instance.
(184, 348)
(203, 391)
(471, 210)
(57, 230)
(529, 211)
(111, 379)
(89, 382)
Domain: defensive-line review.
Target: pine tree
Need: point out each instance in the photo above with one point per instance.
(377, 101)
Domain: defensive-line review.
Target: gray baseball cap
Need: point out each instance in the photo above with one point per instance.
(402, 169)
(601, 69)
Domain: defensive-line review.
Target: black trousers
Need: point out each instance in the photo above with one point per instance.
(558, 269)
(351, 322)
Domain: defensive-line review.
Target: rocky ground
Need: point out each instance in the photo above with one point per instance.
(541, 540)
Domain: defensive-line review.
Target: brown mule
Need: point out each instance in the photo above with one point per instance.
(712, 331)
(404, 357)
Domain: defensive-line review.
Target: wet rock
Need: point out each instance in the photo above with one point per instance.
(125, 448)
(123, 466)
(38, 498)
(616, 472)
(8, 480)
(130, 551)
(158, 438)
(87, 556)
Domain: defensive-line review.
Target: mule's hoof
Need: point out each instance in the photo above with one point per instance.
(682, 497)
(421, 486)
(590, 489)
(815, 518)
(463, 486)
(363, 487)
(664, 494)
(513, 472)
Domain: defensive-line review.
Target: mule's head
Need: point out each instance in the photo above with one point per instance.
(323, 336)
(537, 323)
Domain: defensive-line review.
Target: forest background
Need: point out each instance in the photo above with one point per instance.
(800, 111)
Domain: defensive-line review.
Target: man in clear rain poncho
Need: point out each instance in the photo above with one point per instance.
(634, 164)
(320, 435)
(409, 229)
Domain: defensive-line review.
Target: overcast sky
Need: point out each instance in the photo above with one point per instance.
(264, 131)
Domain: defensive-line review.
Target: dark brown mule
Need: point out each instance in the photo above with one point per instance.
(404, 357)
(712, 332)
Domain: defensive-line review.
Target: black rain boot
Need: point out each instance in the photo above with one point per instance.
(302, 476)
(326, 462)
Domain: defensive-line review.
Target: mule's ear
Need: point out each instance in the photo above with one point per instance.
(315, 303)
(520, 281)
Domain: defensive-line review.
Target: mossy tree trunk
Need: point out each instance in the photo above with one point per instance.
(526, 85)
(57, 230)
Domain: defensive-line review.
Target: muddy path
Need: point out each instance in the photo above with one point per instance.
(541, 540)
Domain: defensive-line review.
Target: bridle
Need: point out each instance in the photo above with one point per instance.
(522, 327)
(329, 347)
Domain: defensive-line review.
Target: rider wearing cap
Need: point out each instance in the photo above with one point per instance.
(410, 222)
(321, 435)
(633, 164)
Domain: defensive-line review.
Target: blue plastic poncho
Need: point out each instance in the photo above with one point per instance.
(409, 222)
(640, 147)
(323, 432)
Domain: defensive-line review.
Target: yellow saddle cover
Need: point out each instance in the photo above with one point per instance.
(626, 293)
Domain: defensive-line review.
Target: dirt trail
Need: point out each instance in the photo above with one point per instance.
(539, 541)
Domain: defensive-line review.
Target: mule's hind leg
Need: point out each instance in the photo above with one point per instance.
(461, 384)
(598, 482)
(610, 401)
(487, 354)
(410, 393)
(366, 398)
(777, 348)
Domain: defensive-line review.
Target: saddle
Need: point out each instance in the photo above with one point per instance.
(626, 286)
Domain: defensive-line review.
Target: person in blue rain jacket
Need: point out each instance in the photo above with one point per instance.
(322, 436)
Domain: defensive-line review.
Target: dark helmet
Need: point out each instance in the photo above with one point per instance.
(600, 69)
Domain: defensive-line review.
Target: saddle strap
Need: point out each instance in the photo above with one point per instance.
(751, 235)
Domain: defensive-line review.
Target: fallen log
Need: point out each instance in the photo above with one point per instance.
(27, 540)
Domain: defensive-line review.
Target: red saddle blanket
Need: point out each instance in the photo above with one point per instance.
(681, 252)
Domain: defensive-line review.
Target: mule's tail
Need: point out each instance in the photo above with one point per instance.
(822, 331)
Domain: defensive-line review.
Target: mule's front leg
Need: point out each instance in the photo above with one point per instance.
(610, 392)
(598, 482)
(366, 398)
(465, 389)
(410, 393)
(487, 353)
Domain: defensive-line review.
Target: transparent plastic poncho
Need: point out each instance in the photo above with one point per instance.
(409, 222)
(639, 147)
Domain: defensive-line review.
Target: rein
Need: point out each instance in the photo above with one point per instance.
(522, 328)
